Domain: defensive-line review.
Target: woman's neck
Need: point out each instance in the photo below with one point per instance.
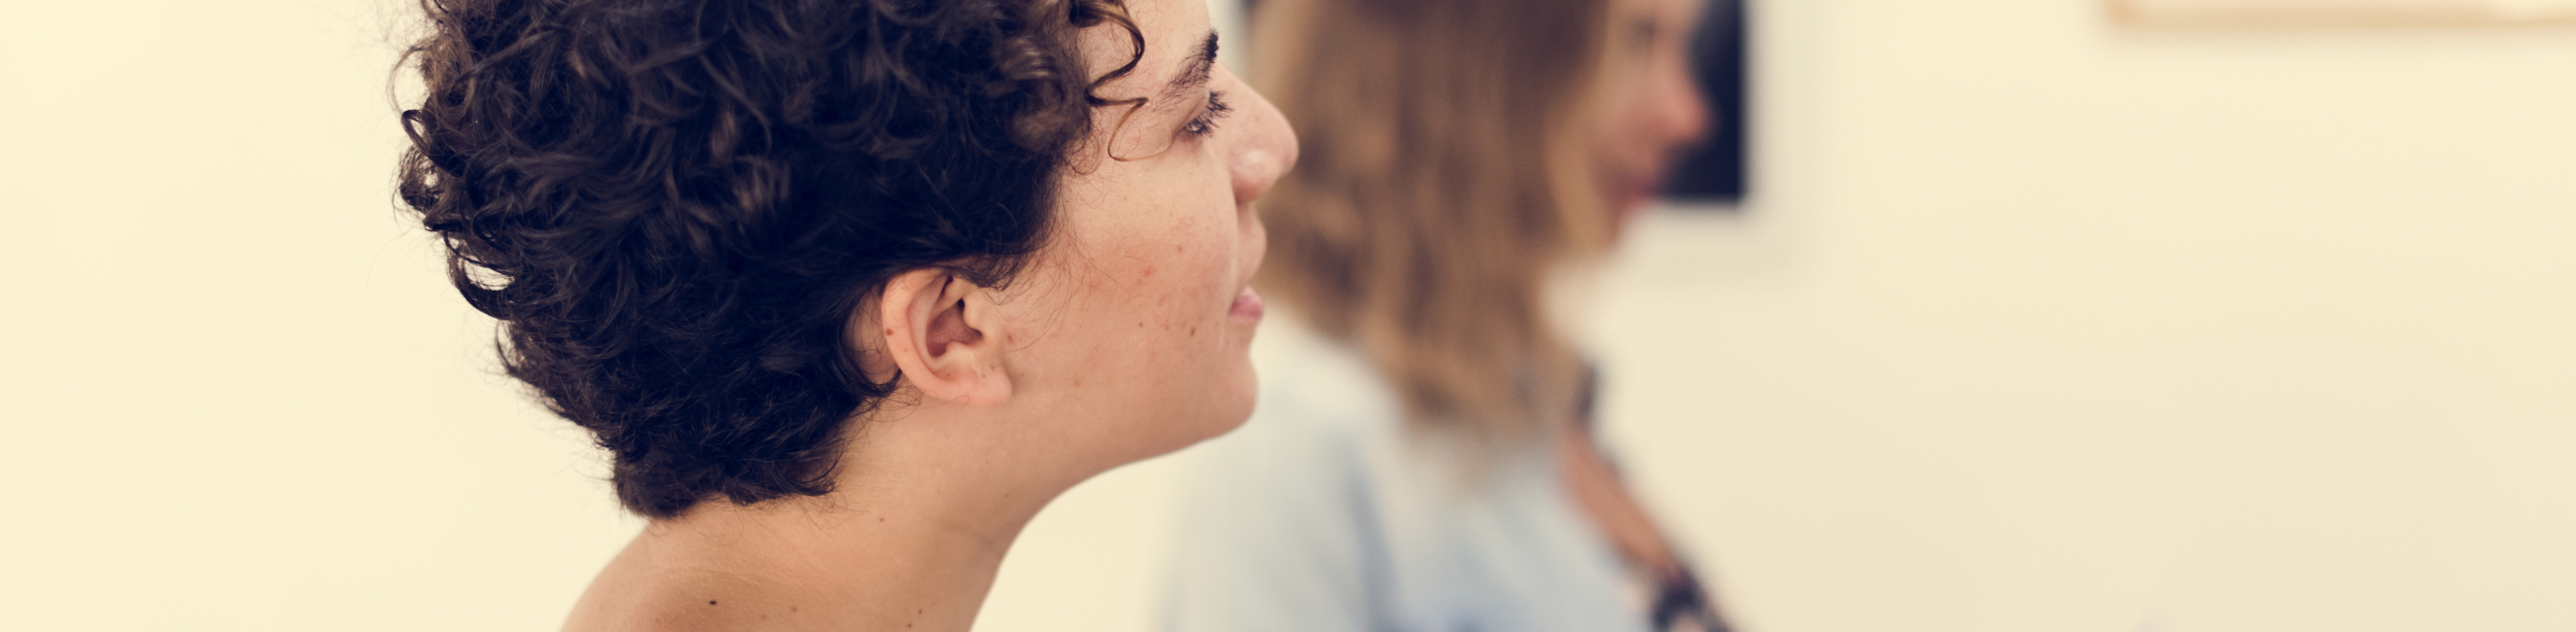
(922, 512)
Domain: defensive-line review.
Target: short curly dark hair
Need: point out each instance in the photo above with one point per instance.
(673, 207)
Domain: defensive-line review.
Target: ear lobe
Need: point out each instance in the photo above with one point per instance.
(933, 326)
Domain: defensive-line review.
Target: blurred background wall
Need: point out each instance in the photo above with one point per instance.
(2033, 321)
(2040, 323)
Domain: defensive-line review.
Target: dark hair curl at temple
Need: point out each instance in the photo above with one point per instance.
(674, 206)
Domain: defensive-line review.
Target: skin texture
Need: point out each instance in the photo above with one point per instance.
(1126, 338)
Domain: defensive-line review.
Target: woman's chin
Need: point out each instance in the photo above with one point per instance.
(1221, 411)
(1232, 404)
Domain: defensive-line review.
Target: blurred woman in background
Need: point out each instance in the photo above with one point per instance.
(1422, 456)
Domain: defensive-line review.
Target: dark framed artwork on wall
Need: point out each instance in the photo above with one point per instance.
(1716, 171)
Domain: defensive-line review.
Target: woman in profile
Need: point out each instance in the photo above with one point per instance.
(1422, 457)
(847, 290)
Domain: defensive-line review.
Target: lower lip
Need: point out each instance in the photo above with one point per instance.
(1637, 202)
(1642, 193)
(1247, 305)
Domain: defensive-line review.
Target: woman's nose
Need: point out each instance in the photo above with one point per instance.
(1269, 148)
(1681, 112)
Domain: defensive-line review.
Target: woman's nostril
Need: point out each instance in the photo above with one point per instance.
(1686, 117)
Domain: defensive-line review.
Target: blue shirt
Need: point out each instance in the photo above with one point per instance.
(1324, 513)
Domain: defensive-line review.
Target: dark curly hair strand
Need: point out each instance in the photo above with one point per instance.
(674, 206)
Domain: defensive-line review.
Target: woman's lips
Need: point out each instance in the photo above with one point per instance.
(1637, 199)
(1247, 305)
(1635, 192)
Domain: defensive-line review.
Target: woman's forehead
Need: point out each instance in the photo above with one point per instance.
(1175, 32)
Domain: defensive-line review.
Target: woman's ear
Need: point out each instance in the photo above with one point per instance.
(938, 328)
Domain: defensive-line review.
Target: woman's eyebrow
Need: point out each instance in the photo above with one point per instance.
(1196, 70)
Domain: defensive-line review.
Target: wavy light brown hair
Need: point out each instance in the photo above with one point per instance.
(1439, 187)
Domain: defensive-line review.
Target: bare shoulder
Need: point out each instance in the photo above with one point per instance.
(641, 591)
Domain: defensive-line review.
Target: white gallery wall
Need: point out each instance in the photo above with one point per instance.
(2035, 323)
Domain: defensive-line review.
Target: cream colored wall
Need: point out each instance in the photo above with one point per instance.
(236, 396)
(2037, 324)
(2041, 324)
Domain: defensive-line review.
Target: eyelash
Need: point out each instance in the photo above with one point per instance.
(1205, 123)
